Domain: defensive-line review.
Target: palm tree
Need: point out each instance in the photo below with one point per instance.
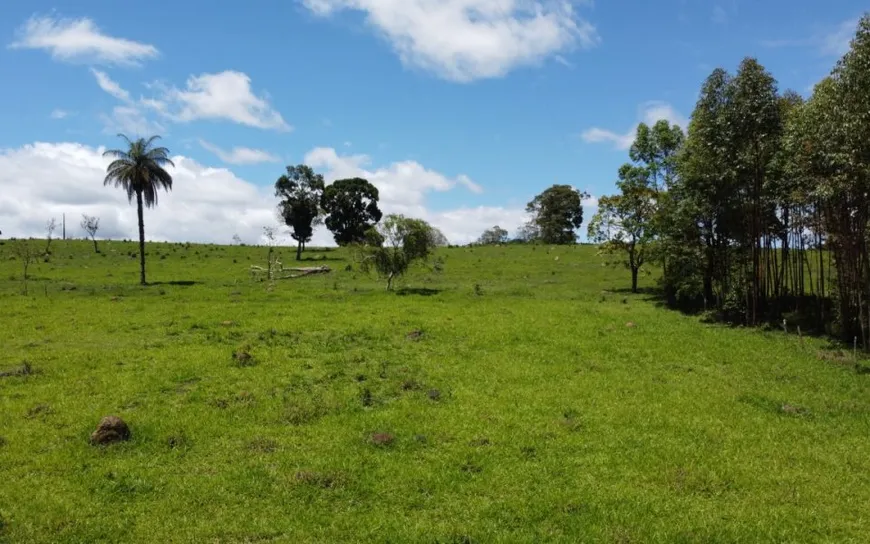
(139, 170)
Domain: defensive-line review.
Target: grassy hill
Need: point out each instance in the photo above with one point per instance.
(518, 396)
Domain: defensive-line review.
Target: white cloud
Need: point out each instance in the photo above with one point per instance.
(207, 204)
(45, 180)
(650, 113)
(110, 86)
(240, 155)
(225, 95)
(60, 114)
(465, 40)
(79, 39)
(402, 185)
(131, 121)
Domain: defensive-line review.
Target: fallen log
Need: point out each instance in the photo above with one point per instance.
(291, 273)
(305, 271)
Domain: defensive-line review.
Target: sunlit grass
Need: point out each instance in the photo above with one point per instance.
(521, 395)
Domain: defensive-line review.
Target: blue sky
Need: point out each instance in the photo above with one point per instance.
(460, 110)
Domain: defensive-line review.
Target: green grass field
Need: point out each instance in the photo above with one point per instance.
(528, 399)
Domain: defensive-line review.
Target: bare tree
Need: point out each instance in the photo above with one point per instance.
(91, 224)
(27, 255)
(50, 227)
(237, 239)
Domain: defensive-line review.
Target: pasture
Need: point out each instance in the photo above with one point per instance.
(519, 395)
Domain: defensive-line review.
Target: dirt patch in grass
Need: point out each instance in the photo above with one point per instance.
(382, 440)
(262, 444)
(323, 480)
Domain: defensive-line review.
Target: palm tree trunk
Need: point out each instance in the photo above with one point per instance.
(141, 237)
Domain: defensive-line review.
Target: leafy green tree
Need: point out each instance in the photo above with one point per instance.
(352, 209)
(623, 224)
(557, 213)
(140, 171)
(495, 235)
(300, 191)
(394, 245)
(656, 148)
(528, 233)
(438, 238)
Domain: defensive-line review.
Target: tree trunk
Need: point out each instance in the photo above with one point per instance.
(390, 282)
(139, 207)
(96, 249)
(299, 250)
(634, 279)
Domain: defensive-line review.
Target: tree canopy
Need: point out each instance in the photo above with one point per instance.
(394, 245)
(300, 191)
(557, 213)
(494, 235)
(352, 209)
(762, 211)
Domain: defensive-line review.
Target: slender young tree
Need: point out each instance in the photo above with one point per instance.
(623, 225)
(91, 224)
(140, 170)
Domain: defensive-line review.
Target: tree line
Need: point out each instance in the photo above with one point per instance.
(761, 210)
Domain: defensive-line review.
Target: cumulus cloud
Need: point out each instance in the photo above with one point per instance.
(649, 113)
(45, 180)
(402, 185)
(208, 204)
(240, 155)
(79, 40)
(225, 95)
(465, 40)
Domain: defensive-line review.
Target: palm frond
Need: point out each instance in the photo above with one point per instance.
(139, 170)
(116, 153)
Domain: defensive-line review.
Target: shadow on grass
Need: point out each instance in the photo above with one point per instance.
(419, 291)
(655, 292)
(184, 283)
(317, 259)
